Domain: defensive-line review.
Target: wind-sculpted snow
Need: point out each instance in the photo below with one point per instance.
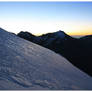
(24, 65)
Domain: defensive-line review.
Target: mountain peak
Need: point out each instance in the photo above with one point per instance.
(60, 31)
(60, 34)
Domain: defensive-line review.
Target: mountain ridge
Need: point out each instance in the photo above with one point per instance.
(76, 50)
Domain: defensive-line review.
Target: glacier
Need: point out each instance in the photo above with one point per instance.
(28, 66)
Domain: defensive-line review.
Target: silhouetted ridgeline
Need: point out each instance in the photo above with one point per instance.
(77, 50)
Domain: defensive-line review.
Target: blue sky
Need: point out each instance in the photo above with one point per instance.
(74, 18)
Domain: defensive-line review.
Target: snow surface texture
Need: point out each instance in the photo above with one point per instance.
(25, 66)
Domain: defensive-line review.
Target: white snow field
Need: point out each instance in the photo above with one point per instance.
(27, 66)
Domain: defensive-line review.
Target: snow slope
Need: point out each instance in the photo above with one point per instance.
(24, 65)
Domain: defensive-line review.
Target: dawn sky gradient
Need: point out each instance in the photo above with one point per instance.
(75, 18)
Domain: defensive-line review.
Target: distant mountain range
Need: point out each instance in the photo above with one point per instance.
(77, 50)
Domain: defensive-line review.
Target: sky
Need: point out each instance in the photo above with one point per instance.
(74, 18)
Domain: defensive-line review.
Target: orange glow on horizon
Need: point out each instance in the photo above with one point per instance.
(79, 33)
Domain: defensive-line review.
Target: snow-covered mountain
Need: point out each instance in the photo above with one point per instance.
(45, 39)
(77, 50)
(25, 65)
(60, 34)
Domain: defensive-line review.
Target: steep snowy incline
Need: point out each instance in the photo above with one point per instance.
(24, 65)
